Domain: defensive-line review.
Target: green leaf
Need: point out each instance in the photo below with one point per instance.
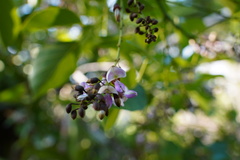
(13, 94)
(111, 119)
(138, 102)
(52, 67)
(199, 99)
(130, 79)
(193, 25)
(50, 17)
(9, 22)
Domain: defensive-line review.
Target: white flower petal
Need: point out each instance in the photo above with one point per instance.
(107, 89)
(81, 97)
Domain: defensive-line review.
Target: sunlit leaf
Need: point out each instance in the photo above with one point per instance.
(111, 119)
(9, 22)
(130, 79)
(52, 67)
(13, 94)
(200, 100)
(50, 17)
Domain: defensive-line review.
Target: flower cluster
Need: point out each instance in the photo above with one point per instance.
(145, 25)
(101, 94)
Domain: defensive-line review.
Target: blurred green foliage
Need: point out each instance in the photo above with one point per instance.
(188, 83)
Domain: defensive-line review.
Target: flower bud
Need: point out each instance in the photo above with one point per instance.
(69, 108)
(96, 87)
(102, 106)
(100, 98)
(116, 10)
(101, 114)
(74, 114)
(117, 100)
(84, 106)
(79, 88)
(93, 80)
(81, 112)
(96, 106)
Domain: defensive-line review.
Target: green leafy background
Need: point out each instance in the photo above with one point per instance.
(187, 82)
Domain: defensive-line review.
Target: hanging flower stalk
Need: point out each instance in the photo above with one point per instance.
(102, 94)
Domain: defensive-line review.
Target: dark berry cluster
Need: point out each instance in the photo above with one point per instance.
(100, 94)
(146, 24)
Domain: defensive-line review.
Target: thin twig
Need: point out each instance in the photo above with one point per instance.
(120, 33)
(168, 18)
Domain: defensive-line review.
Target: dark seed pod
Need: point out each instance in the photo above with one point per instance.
(128, 10)
(130, 2)
(137, 29)
(74, 114)
(154, 21)
(117, 100)
(81, 112)
(141, 32)
(153, 37)
(93, 80)
(132, 16)
(139, 20)
(148, 21)
(69, 108)
(155, 29)
(143, 21)
(147, 27)
(141, 7)
(148, 18)
(148, 41)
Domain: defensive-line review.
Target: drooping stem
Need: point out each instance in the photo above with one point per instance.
(120, 33)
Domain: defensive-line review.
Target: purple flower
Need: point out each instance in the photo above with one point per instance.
(108, 100)
(115, 73)
(85, 85)
(130, 93)
(119, 86)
